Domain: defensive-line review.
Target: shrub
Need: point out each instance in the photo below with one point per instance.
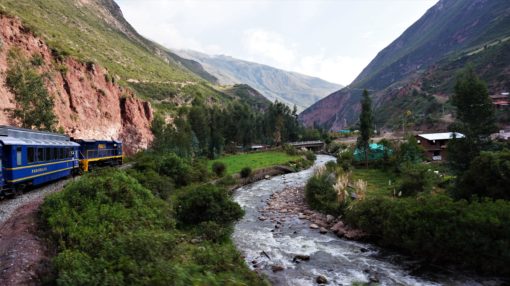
(245, 172)
(410, 152)
(345, 159)
(416, 178)
(207, 203)
(488, 176)
(290, 150)
(214, 232)
(227, 181)
(110, 230)
(219, 168)
(437, 228)
(310, 156)
(320, 194)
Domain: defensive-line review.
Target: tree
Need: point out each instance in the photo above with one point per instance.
(34, 105)
(366, 126)
(475, 119)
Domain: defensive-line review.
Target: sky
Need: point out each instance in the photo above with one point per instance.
(330, 39)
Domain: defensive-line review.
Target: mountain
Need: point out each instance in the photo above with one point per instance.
(105, 79)
(288, 87)
(417, 71)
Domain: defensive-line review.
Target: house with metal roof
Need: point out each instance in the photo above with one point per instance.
(435, 144)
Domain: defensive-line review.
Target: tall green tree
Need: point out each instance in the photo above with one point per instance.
(475, 119)
(34, 105)
(366, 122)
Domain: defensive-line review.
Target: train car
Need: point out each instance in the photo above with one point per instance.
(99, 153)
(31, 158)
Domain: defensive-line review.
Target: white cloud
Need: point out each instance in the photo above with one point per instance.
(334, 69)
(269, 46)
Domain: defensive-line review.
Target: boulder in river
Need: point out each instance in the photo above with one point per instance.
(321, 280)
(301, 257)
(277, 268)
(330, 218)
(323, 230)
(314, 226)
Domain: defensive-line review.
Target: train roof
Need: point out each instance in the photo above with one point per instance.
(96, 141)
(20, 136)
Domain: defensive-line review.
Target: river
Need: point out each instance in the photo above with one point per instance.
(341, 261)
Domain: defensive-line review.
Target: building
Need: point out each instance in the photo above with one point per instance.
(435, 144)
(501, 101)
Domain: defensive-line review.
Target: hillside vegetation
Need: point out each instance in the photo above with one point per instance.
(417, 71)
(95, 32)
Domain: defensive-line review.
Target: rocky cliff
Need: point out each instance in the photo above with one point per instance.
(88, 102)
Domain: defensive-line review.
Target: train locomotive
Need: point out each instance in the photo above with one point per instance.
(31, 158)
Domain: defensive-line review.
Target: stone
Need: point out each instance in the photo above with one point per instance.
(340, 233)
(321, 280)
(277, 268)
(323, 230)
(330, 218)
(314, 226)
(335, 228)
(267, 177)
(262, 218)
(302, 216)
(363, 250)
(302, 257)
(195, 240)
(373, 278)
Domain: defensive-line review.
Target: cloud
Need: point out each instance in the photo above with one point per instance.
(268, 45)
(337, 69)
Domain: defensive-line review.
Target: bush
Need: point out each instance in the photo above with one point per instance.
(219, 168)
(207, 203)
(227, 180)
(488, 176)
(320, 194)
(110, 230)
(169, 165)
(410, 152)
(245, 172)
(439, 229)
(416, 178)
(310, 156)
(345, 159)
(290, 150)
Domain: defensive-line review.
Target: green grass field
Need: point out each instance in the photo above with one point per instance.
(255, 161)
(378, 181)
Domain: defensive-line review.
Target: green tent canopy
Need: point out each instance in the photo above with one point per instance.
(377, 152)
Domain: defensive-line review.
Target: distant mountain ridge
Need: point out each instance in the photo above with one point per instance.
(276, 84)
(417, 71)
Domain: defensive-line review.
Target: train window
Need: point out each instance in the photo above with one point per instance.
(69, 153)
(40, 154)
(61, 153)
(18, 156)
(48, 153)
(30, 155)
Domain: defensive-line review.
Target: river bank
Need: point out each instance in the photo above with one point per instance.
(276, 243)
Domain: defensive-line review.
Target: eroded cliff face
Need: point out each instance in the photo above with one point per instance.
(88, 102)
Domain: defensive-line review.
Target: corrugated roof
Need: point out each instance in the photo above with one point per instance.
(441, 136)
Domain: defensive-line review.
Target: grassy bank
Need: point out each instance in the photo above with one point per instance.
(255, 161)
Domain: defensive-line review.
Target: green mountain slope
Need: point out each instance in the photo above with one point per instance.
(95, 31)
(417, 71)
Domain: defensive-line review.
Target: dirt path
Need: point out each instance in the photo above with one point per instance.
(22, 253)
(23, 256)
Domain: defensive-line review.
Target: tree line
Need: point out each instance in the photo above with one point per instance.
(209, 131)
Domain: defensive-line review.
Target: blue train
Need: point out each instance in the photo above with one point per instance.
(31, 158)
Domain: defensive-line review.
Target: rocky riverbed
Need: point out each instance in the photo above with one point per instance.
(281, 238)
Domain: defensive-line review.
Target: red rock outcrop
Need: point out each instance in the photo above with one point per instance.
(88, 103)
